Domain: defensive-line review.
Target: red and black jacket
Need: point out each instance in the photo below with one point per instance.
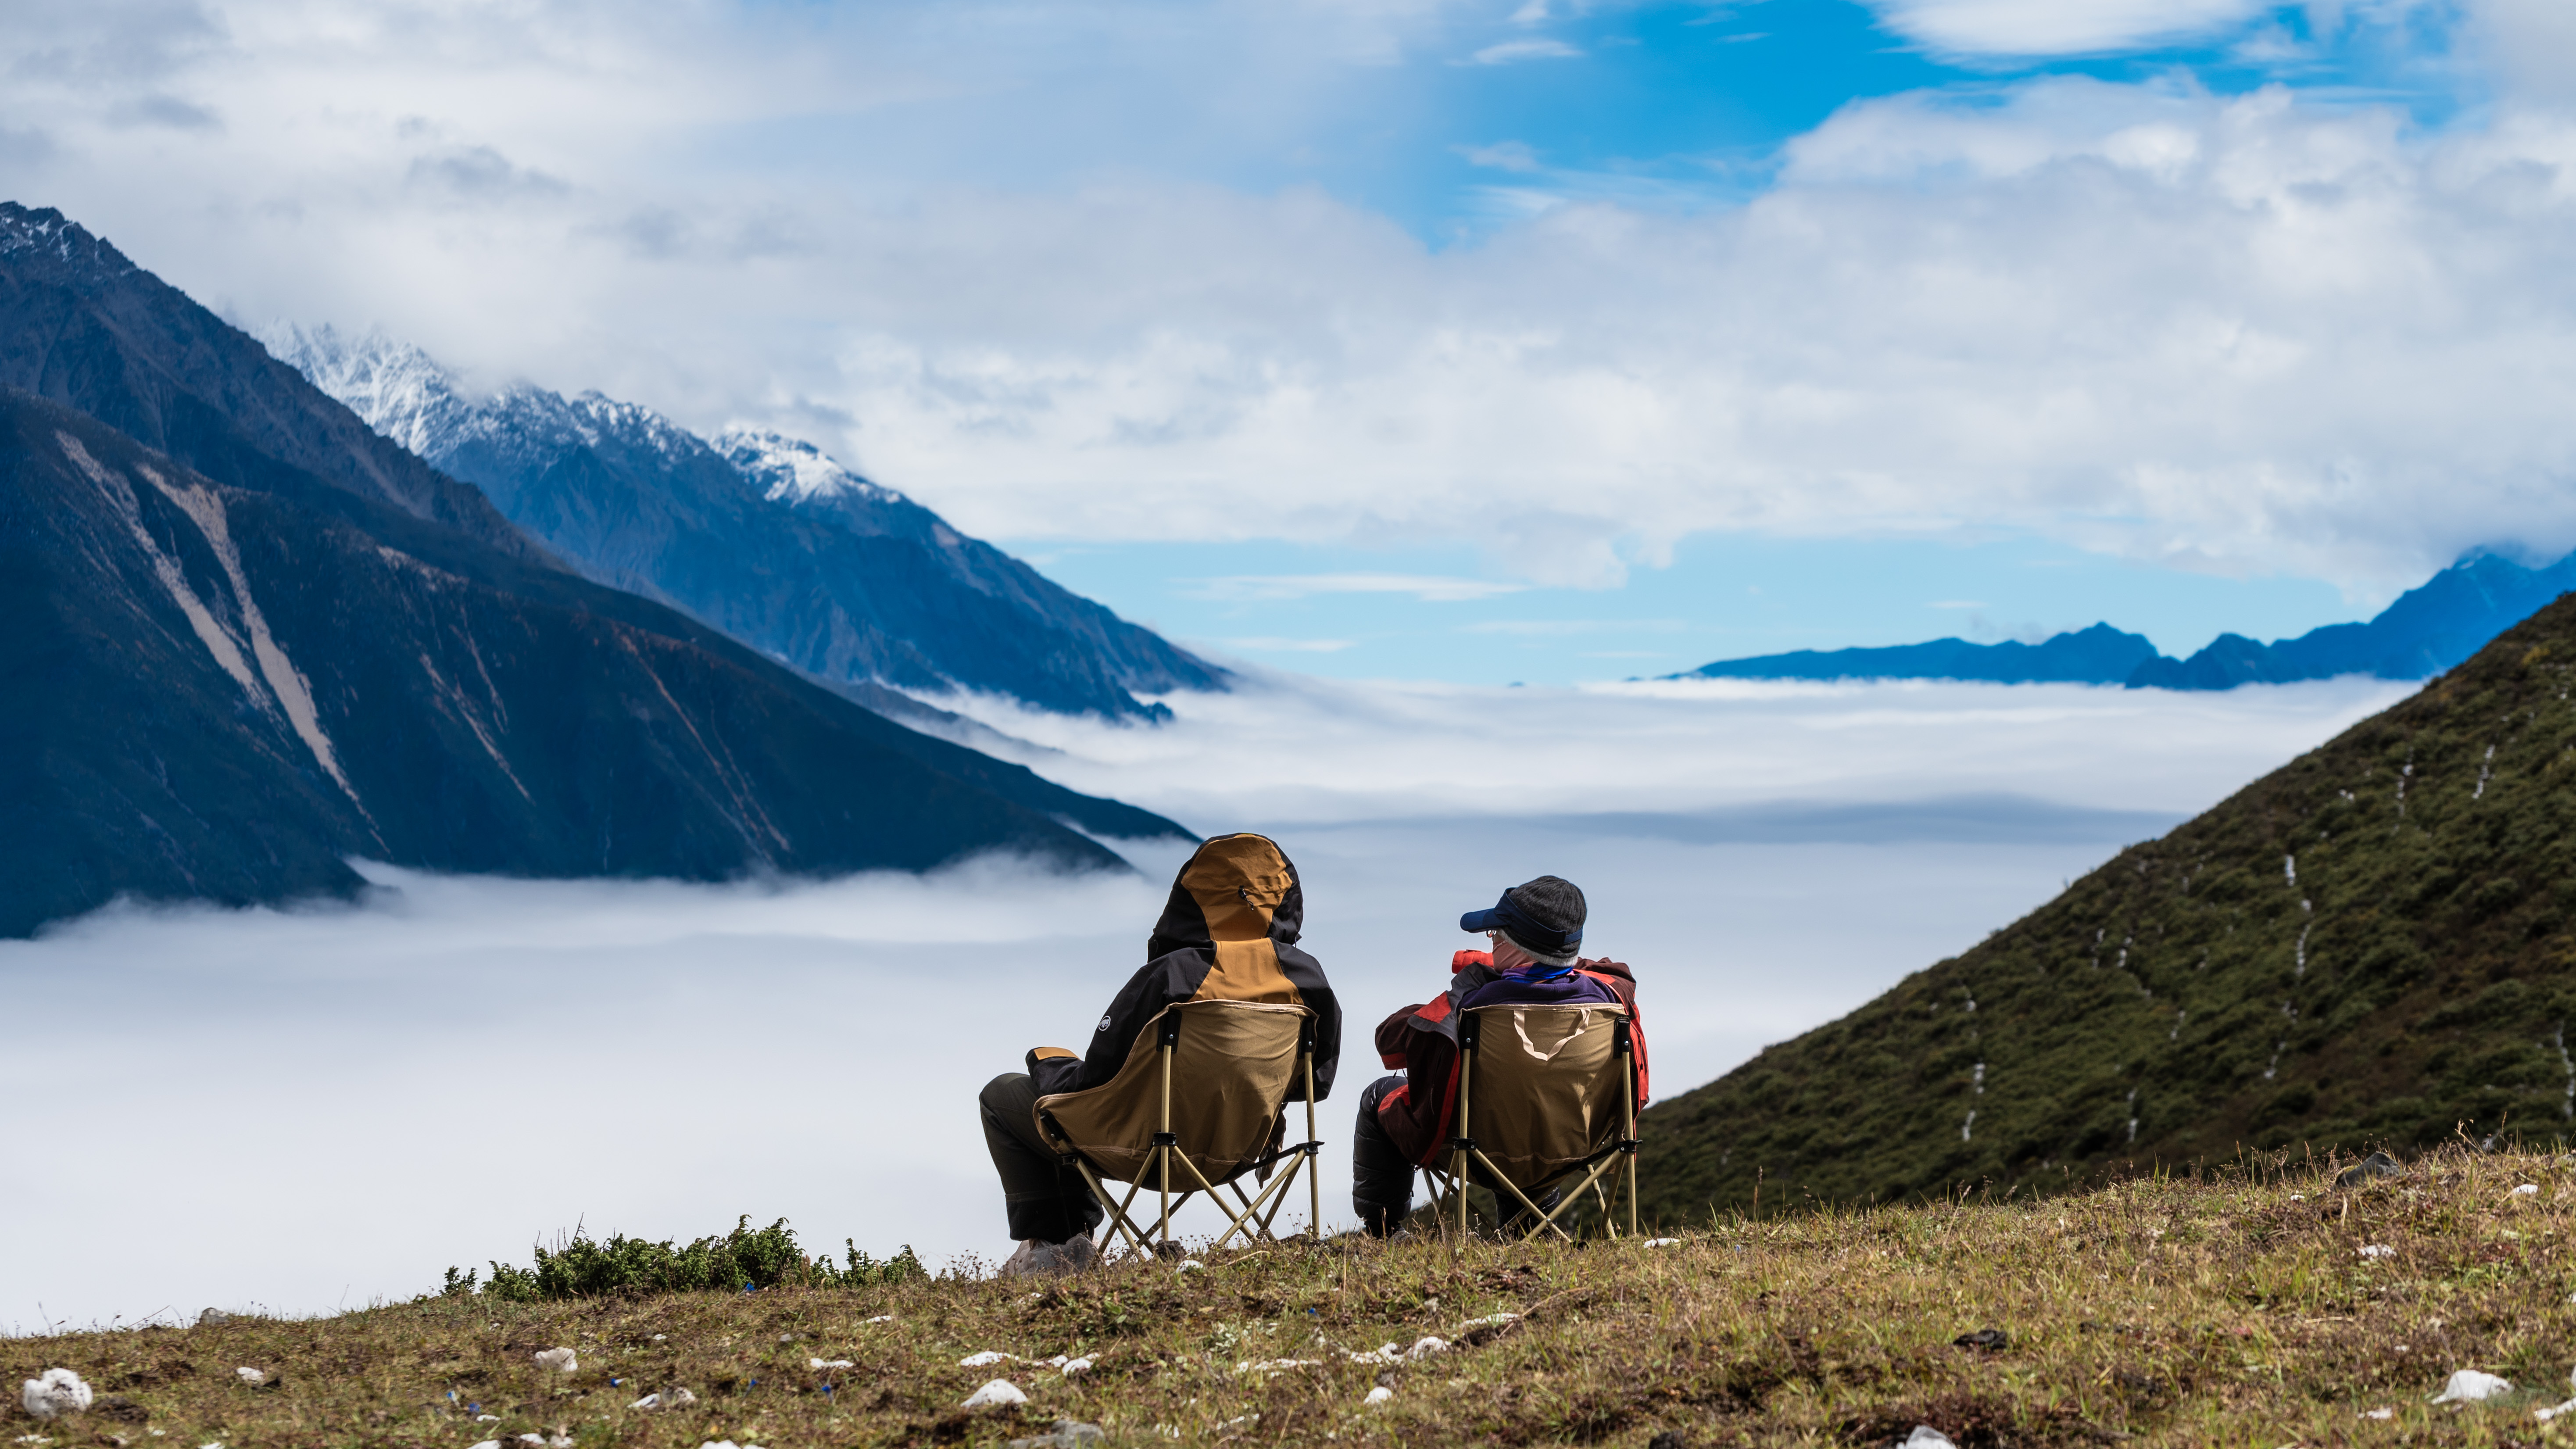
(1228, 932)
(1424, 1041)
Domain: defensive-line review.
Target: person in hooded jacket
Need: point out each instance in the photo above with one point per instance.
(1536, 931)
(1228, 932)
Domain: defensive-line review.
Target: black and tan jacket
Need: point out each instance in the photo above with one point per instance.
(1229, 932)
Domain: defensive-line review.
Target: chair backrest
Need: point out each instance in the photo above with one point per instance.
(1544, 1088)
(1232, 1064)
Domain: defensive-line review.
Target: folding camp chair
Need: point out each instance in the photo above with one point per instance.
(1547, 1098)
(1201, 1100)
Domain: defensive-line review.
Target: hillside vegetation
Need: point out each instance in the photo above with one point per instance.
(2371, 944)
(2239, 1309)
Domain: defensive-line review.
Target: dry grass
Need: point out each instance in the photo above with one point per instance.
(2236, 1311)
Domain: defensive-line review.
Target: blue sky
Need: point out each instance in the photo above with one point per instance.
(1645, 333)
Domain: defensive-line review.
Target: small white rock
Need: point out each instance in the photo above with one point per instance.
(824, 1363)
(649, 1401)
(488, 1444)
(54, 1393)
(677, 1398)
(251, 1375)
(1190, 1265)
(561, 1360)
(1379, 1395)
(1076, 1367)
(1663, 1242)
(2528, 1189)
(1425, 1347)
(987, 1358)
(2467, 1386)
(996, 1393)
(487, 1418)
(881, 1318)
(2379, 1413)
(2544, 1415)
(657, 1338)
(1927, 1437)
(2377, 1250)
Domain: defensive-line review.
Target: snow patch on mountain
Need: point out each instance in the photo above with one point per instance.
(793, 470)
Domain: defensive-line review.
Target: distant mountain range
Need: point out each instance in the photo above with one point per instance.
(2427, 630)
(244, 637)
(760, 535)
(2374, 944)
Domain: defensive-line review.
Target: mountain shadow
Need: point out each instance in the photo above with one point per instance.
(2375, 943)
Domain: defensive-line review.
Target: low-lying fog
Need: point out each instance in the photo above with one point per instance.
(304, 1109)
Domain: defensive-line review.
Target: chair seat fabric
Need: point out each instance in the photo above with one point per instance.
(1231, 1071)
(1546, 1086)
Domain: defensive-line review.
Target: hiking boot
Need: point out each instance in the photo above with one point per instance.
(1050, 1260)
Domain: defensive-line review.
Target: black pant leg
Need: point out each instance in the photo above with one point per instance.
(1048, 1202)
(1381, 1178)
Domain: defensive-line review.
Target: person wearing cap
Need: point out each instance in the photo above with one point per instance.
(1536, 931)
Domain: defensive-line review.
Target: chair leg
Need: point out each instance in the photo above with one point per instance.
(1193, 1169)
(1118, 1212)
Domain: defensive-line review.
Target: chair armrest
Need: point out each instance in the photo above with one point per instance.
(1049, 1054)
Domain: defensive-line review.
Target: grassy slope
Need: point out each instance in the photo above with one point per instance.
(2236, 1311)
(2190, 995)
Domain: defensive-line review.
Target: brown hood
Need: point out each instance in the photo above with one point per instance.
(1234, 888)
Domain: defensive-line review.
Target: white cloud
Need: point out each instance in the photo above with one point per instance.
(1511, 51)
(2242, 335)
(1271, 645)
(1502, 156)
(1316, 751)
(2060, 27)
(1430, 588)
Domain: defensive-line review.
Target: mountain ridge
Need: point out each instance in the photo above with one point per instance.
(760, 535)
(2426, 630)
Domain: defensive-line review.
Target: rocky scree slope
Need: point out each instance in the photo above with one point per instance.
(2374, 943)
(759, 535)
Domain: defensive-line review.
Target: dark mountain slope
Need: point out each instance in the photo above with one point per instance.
(219, 693)
(2099, 655)
(761, 536)
(2376, 942)
(83, 326)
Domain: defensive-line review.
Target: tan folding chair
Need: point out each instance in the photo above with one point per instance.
(1200, 1100)
(1547, 1098)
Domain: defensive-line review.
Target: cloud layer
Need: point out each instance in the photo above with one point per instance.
(2268, 332)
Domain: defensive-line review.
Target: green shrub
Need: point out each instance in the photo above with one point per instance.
(745, 1260)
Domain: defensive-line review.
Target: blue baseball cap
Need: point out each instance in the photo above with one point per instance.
(1544, 915)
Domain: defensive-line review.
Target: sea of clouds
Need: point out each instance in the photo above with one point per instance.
(308, 1108)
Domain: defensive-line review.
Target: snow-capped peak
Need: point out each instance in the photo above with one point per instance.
(398, 389)
(791, 470)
